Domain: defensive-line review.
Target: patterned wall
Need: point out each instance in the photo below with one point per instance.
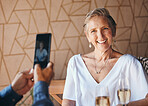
(21, 20)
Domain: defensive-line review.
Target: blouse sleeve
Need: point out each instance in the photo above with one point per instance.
(69, 89)
(138, 80)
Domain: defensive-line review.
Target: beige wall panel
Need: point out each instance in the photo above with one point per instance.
(59, 29)
(4, 77)
(24, 17)
(14, 18)
(26, 63)
(22, 5)
(73, 44)
(41, 20)
(60, 58)
(141, 25)
(55, 9)
(1, 37)
(13, 63)
(8, 6)
(10, 31)
(127, 16)
(2, 18)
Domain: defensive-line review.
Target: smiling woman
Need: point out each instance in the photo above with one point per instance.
(102, 67)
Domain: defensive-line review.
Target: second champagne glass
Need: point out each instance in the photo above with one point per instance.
(124, 92)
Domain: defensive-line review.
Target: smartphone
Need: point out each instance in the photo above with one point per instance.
(42, 49)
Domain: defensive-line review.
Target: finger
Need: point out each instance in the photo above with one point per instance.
(37, 69)
(50, 65)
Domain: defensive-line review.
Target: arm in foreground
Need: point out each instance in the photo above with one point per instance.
(42, 80)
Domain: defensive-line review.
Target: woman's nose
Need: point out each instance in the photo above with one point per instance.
(100, 35)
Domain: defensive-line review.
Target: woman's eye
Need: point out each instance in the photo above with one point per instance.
(93, 31)
(106, 28)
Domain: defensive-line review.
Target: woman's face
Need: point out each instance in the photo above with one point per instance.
(99, 33)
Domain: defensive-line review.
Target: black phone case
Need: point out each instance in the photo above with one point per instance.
(42, 49)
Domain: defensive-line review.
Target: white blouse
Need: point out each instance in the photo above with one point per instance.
(81, 87)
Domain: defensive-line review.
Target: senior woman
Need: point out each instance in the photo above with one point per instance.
(102, 67)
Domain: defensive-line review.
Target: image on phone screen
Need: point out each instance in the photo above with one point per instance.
(42, 49)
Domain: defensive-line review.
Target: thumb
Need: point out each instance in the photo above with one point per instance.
(37, 73)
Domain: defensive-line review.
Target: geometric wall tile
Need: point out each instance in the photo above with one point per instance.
(63, 15)
(82, 10)
(13, 18)
(78, 22)
(142, 47)
(32, 25)
(141, 25)
(125, 2)
(144, 11)
(59, 34)
(80, 48)
(22, 5)
(21, 40)
(99, 3)
(63, 45)
(123, 33)
(7, 8)
(60, 58)
(127, 16)
(145, 37)
(112, 3)
(113, 12)
(67, 2)
(48, 5)
(53, 45)
(121, 48)
(71, 31)
(120, 22)
(2, 18)
(13, 64)
(32, 2)
(76, 6)
(55, 7)
(93, 5)
(39, 4)
(134, 34)
(9, 36)
(24, 18)
(41, 20)
(21, 31)
(4, 77)
(26, 64)
(17, 49)
(30, 54)
(73, 44)
(30, 42)
(134, 48)
(137, 7)
(1, 36)
(67, 7)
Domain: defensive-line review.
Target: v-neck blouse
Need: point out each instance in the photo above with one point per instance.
(81, 87)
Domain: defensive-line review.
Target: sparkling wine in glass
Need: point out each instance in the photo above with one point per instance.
(102, 96)
(124, 92)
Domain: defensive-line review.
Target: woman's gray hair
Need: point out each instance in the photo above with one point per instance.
(101, 12)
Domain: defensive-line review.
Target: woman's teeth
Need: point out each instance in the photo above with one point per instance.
(100, 42)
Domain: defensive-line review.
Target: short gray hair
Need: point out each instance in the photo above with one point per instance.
(101, 12)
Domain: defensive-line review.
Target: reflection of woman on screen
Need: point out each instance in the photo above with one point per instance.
(41, 53)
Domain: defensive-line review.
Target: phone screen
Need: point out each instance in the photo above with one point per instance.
(42, 49)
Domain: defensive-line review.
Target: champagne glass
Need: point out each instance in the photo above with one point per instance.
(102, 96)
(124, 92)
